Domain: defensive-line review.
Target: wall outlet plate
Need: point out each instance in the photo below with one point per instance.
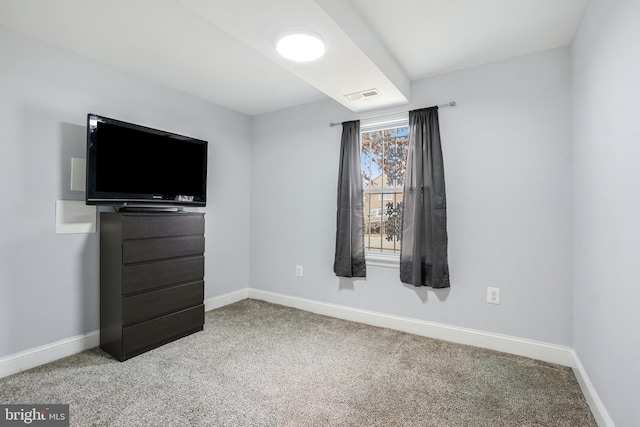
(75, 217)
(493, 295)
(78, 174)
(299, 270)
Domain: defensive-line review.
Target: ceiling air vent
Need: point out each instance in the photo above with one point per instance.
(362, 94)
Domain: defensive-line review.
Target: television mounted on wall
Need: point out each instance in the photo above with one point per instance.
(130, 165)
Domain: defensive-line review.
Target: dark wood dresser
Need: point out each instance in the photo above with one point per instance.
(151, 280)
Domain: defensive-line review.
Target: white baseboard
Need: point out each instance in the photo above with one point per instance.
(561, 355)
(506, 344)
(47, 353)
(537, 350)
(593, 400)
(31, 358)
(225, 299)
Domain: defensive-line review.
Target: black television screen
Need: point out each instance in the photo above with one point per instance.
(130, 165)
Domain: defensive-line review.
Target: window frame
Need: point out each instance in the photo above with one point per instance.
(392, 121)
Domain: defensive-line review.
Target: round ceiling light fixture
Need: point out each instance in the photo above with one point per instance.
(301, 46)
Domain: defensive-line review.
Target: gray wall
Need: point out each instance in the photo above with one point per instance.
(49, 282)
(606, 147)
(507, 152)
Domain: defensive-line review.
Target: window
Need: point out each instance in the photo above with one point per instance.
(384, 161)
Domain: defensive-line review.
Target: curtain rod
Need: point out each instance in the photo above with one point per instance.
(450, 104)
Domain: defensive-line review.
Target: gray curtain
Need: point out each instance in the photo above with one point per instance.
(423, 254)
(349, 257)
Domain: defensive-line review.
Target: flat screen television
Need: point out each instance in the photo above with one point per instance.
(137, 166)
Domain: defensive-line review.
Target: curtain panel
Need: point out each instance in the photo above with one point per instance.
(423, 254)
(349, 255)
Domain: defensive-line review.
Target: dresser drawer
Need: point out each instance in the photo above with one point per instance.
(163, 301)
(161, 330)
(155, 249)
(151, 226)
(141, 277)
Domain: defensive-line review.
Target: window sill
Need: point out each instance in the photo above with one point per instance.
(382, 260)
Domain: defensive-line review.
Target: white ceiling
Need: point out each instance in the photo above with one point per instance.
(224, 50)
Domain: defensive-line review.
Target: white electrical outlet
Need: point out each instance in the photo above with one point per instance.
(299, 270)
(493, 295)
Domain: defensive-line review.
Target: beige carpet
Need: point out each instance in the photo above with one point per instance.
(259, 364)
